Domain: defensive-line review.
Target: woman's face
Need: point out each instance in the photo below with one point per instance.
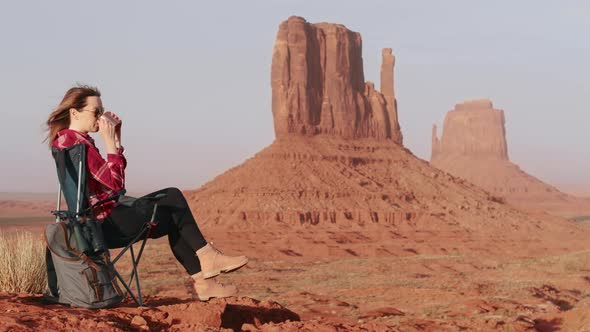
(86, 119)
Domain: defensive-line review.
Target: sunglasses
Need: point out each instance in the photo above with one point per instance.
(97, 112)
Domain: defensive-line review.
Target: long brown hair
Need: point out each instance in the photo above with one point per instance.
(60, 118)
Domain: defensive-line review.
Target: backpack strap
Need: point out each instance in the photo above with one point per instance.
(51, 274)
(88, 261)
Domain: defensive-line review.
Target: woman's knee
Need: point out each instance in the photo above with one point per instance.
(173, 191)
(176, 195)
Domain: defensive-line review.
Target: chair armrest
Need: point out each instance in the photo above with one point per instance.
(62, 214)
(102, 201)
(112, 198)
(127, 200)
(130, 201)
(154, 198)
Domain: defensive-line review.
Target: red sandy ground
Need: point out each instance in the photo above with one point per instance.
(405, 277)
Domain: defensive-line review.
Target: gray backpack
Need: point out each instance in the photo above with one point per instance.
(76, 278)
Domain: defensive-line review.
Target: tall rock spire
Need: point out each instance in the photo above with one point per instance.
(388, 91)
(435, 142)
(387, 64)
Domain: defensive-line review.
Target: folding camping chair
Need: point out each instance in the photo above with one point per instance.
(71, 172)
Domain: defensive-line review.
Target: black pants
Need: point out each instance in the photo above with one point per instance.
(174, 219)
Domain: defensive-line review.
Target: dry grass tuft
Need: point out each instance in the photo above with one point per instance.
(22, 263)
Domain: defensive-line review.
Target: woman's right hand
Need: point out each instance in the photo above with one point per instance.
(108, 133)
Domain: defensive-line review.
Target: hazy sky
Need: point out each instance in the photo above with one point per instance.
(191, 79)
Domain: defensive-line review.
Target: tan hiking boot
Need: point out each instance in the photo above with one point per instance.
(208, 288)
(213, 262)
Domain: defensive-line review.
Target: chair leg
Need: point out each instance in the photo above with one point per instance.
(139, 235)
(148, 230)
(134, 273)
(134, 261)
(145, 233)
(139, 303)
(132, 264)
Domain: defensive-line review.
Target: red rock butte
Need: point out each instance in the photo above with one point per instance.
(473, 146)
(337, 163)
(318, 85)
(473, 128)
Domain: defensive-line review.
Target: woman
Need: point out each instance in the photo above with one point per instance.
(80, 113)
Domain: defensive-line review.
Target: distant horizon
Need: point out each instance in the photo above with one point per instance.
(191, 81)
(578, 190)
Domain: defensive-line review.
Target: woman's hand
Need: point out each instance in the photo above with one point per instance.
(117, 129)
(108, 133)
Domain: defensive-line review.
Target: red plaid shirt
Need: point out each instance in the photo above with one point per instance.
(104, 178)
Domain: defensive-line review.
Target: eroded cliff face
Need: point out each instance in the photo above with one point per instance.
(473, 128)
(318, 85)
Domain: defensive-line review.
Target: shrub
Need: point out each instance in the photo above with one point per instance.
(22, 263)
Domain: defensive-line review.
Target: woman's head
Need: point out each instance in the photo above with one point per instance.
(79, 109)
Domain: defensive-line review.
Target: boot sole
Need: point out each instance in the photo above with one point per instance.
(207, 298)
(211, 274)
